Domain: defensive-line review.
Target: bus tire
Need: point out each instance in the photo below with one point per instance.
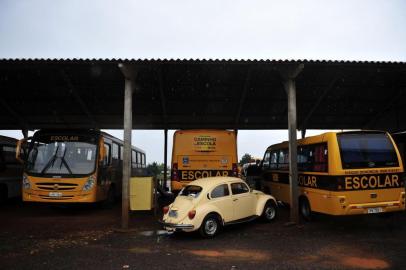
(3, 193)
(270, 211)
(210, 226)
(110, 199)
(304, 209)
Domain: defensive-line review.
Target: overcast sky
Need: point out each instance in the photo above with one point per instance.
(339, 30)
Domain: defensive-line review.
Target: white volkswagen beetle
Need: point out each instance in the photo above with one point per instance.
(208, 204)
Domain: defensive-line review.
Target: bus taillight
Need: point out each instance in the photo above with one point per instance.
(235, 170)
(175, 175)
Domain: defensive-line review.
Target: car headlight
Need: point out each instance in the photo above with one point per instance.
(89, 183)
(26, 182)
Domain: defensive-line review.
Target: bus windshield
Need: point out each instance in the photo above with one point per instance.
(367, 150)
(61, 156)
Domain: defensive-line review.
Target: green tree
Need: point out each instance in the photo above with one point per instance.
(156, 169)
(246, 158)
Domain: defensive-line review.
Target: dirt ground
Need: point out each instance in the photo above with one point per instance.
(43, 237)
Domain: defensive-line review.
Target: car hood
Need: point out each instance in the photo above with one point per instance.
(182, 205)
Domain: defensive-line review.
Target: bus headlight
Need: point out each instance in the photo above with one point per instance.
(89, 183)
(26, 182)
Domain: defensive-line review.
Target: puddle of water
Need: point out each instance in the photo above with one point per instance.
(365, 263)
(233, 254)
(155, 233)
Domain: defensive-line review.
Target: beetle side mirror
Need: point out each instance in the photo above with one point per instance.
(208, 196)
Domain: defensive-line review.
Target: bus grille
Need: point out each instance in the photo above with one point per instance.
(56, 198)
(56, 186)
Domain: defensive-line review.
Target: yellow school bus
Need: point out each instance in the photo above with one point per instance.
(74, 166)
(202, 153)
(340, 173)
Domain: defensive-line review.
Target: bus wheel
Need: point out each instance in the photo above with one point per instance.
(110, 200)
(3, 193)
(270, 211)
(210, 226)
(304, 208)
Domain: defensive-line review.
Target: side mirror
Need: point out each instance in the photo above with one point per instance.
(208, 196)
(20, 148)
(101, 150)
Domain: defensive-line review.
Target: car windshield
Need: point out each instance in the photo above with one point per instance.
(191, 191)
(59, 155)
(367, 150)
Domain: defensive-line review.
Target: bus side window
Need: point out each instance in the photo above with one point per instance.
(139, 160)
(143, 160)
(274, 160)
(115, 153)
(106, 160)
(304, 156)
(283, 160)
(133, 159)
(265, 164)
(320, 158)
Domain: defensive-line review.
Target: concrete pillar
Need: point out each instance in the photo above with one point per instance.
(165, 157)
(290, 88)
(128, 91)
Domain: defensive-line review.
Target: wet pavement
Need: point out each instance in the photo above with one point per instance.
(43, 237)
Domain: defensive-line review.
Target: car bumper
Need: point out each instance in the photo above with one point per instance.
(176, 227)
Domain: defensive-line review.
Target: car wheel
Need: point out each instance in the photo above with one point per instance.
(210, 226)
(270, 211)
(305, 210)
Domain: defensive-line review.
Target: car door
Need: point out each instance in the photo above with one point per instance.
(221, 199)
(243, 201)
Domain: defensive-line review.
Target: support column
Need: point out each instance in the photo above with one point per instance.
(128, 91)
(289, 74)
(290, 88)
(165, 158)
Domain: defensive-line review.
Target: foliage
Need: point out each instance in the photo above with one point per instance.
(246, 158)
(156, 169)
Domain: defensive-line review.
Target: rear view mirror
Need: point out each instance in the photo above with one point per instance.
(208, 196)
(21, 149)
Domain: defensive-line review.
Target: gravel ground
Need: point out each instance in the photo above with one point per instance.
(43, 237)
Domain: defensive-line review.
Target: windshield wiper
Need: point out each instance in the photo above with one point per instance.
(51, 161)
(64, 162)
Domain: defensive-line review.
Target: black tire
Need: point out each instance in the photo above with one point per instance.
(270, 211)
(110, 200)
(210, 226)
(3, 194)
(305, 209)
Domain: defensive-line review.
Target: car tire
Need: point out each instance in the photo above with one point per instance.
(270, 211)
(210, 226)
(304, 209)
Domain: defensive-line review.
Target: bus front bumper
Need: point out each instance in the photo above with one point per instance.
(40, 196)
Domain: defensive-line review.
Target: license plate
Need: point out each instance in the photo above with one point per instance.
(55, 194)
(375, 210)
(173, 214)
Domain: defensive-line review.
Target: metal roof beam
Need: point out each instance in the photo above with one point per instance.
(243, 95)
(162, 95)
(78, 99)
(20, 120)
(330, 86)
(378, 115)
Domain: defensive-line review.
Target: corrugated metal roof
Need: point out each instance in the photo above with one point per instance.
(201, 93)
(199, 60)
